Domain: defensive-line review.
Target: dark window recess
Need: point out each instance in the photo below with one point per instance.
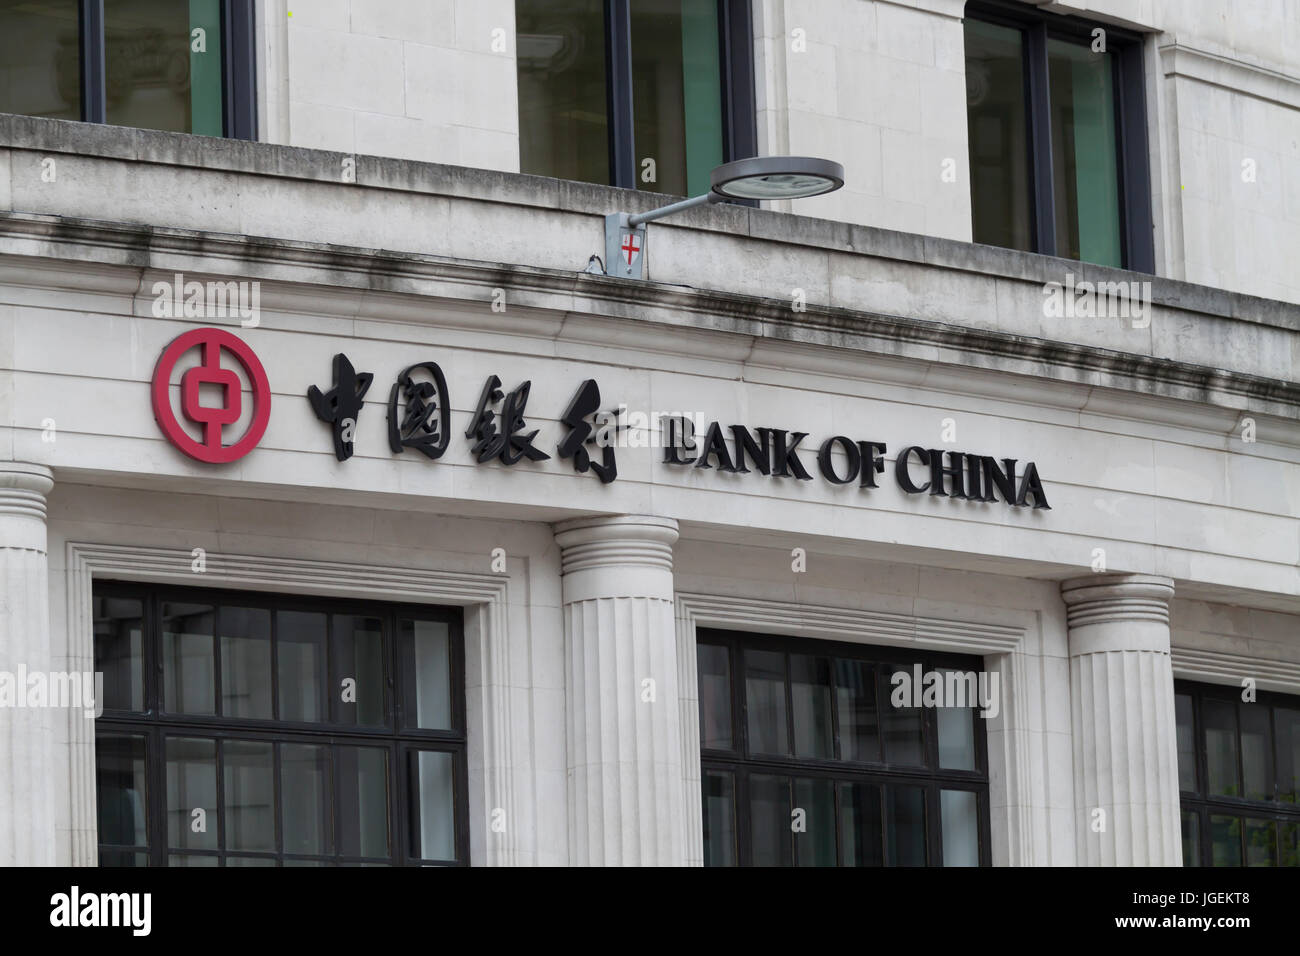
(1239, 773)
(257, 730)
(650, 95)
(805, 760)
(1057, 136)
(153, 64)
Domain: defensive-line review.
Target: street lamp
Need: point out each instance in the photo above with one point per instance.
(760, 177)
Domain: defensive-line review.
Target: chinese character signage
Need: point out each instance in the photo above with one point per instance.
(419, 419)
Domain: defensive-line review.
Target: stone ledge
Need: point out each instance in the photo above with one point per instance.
(87, 244)
(397, 175)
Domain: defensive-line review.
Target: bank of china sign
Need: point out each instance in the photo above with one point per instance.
(419, 421)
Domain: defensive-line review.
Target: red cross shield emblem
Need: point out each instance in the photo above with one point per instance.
(630, 246)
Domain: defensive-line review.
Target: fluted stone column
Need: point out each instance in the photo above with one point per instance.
(624, 724)
(1122, 700)
(27, 787)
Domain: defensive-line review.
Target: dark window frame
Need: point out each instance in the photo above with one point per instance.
(238, 66)
(399, 741)
(736, 57)
(930, 777)
(1200, 803)
(1137, 224)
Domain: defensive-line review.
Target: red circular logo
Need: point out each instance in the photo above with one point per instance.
(209, 372)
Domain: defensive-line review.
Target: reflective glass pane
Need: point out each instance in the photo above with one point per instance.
(1288, 844)
(249, 795)
(305, 798)
(111, 857)
(300, 661)
(363, 801)
(1186, 742)
(769, 816)
(163, 64)
(904, 826)
(119, 653)
(676, 94)
(40, 65)
(563, 124)
(1256, 751)
(433, 804)
(1191, 839)
(855, 703)
(860, 833)
(815, 842)
(1225, 840)
(191, 793)
(426, 655)
(1221, 746)
(191, 859)
(713, 674)
(959, 820)
(1287, 722)
(810, 700)
(719, 818)
(359, 670)
(120, 789)
(956, 725)
(765, 702)
(187, 657)
(901, 724)
(249, 861)
(1261, 843)
(1085, 158)
(1001, 183)
(245, 662)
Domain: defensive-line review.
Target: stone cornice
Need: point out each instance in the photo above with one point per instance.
(66, 245)
(1239, 76)
(153, 147)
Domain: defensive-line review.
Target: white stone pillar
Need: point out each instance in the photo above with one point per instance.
(1122, 704)
(623, 720)
(28, 793)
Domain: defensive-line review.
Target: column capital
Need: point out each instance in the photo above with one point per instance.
(1117, 599)
(23, 487)
(617, 556)
(616, 541)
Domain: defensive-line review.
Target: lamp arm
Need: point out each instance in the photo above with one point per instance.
(662, 211)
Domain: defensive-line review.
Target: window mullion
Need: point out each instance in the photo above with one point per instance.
(94, 102)
(239, 69)
(739, 100)
(1040, 138)
(618, 58)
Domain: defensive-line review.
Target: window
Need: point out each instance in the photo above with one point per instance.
(644, 94)
(252, 730)
(1057, 140)
(1239, 773)
(806, 761)
(155, 64)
